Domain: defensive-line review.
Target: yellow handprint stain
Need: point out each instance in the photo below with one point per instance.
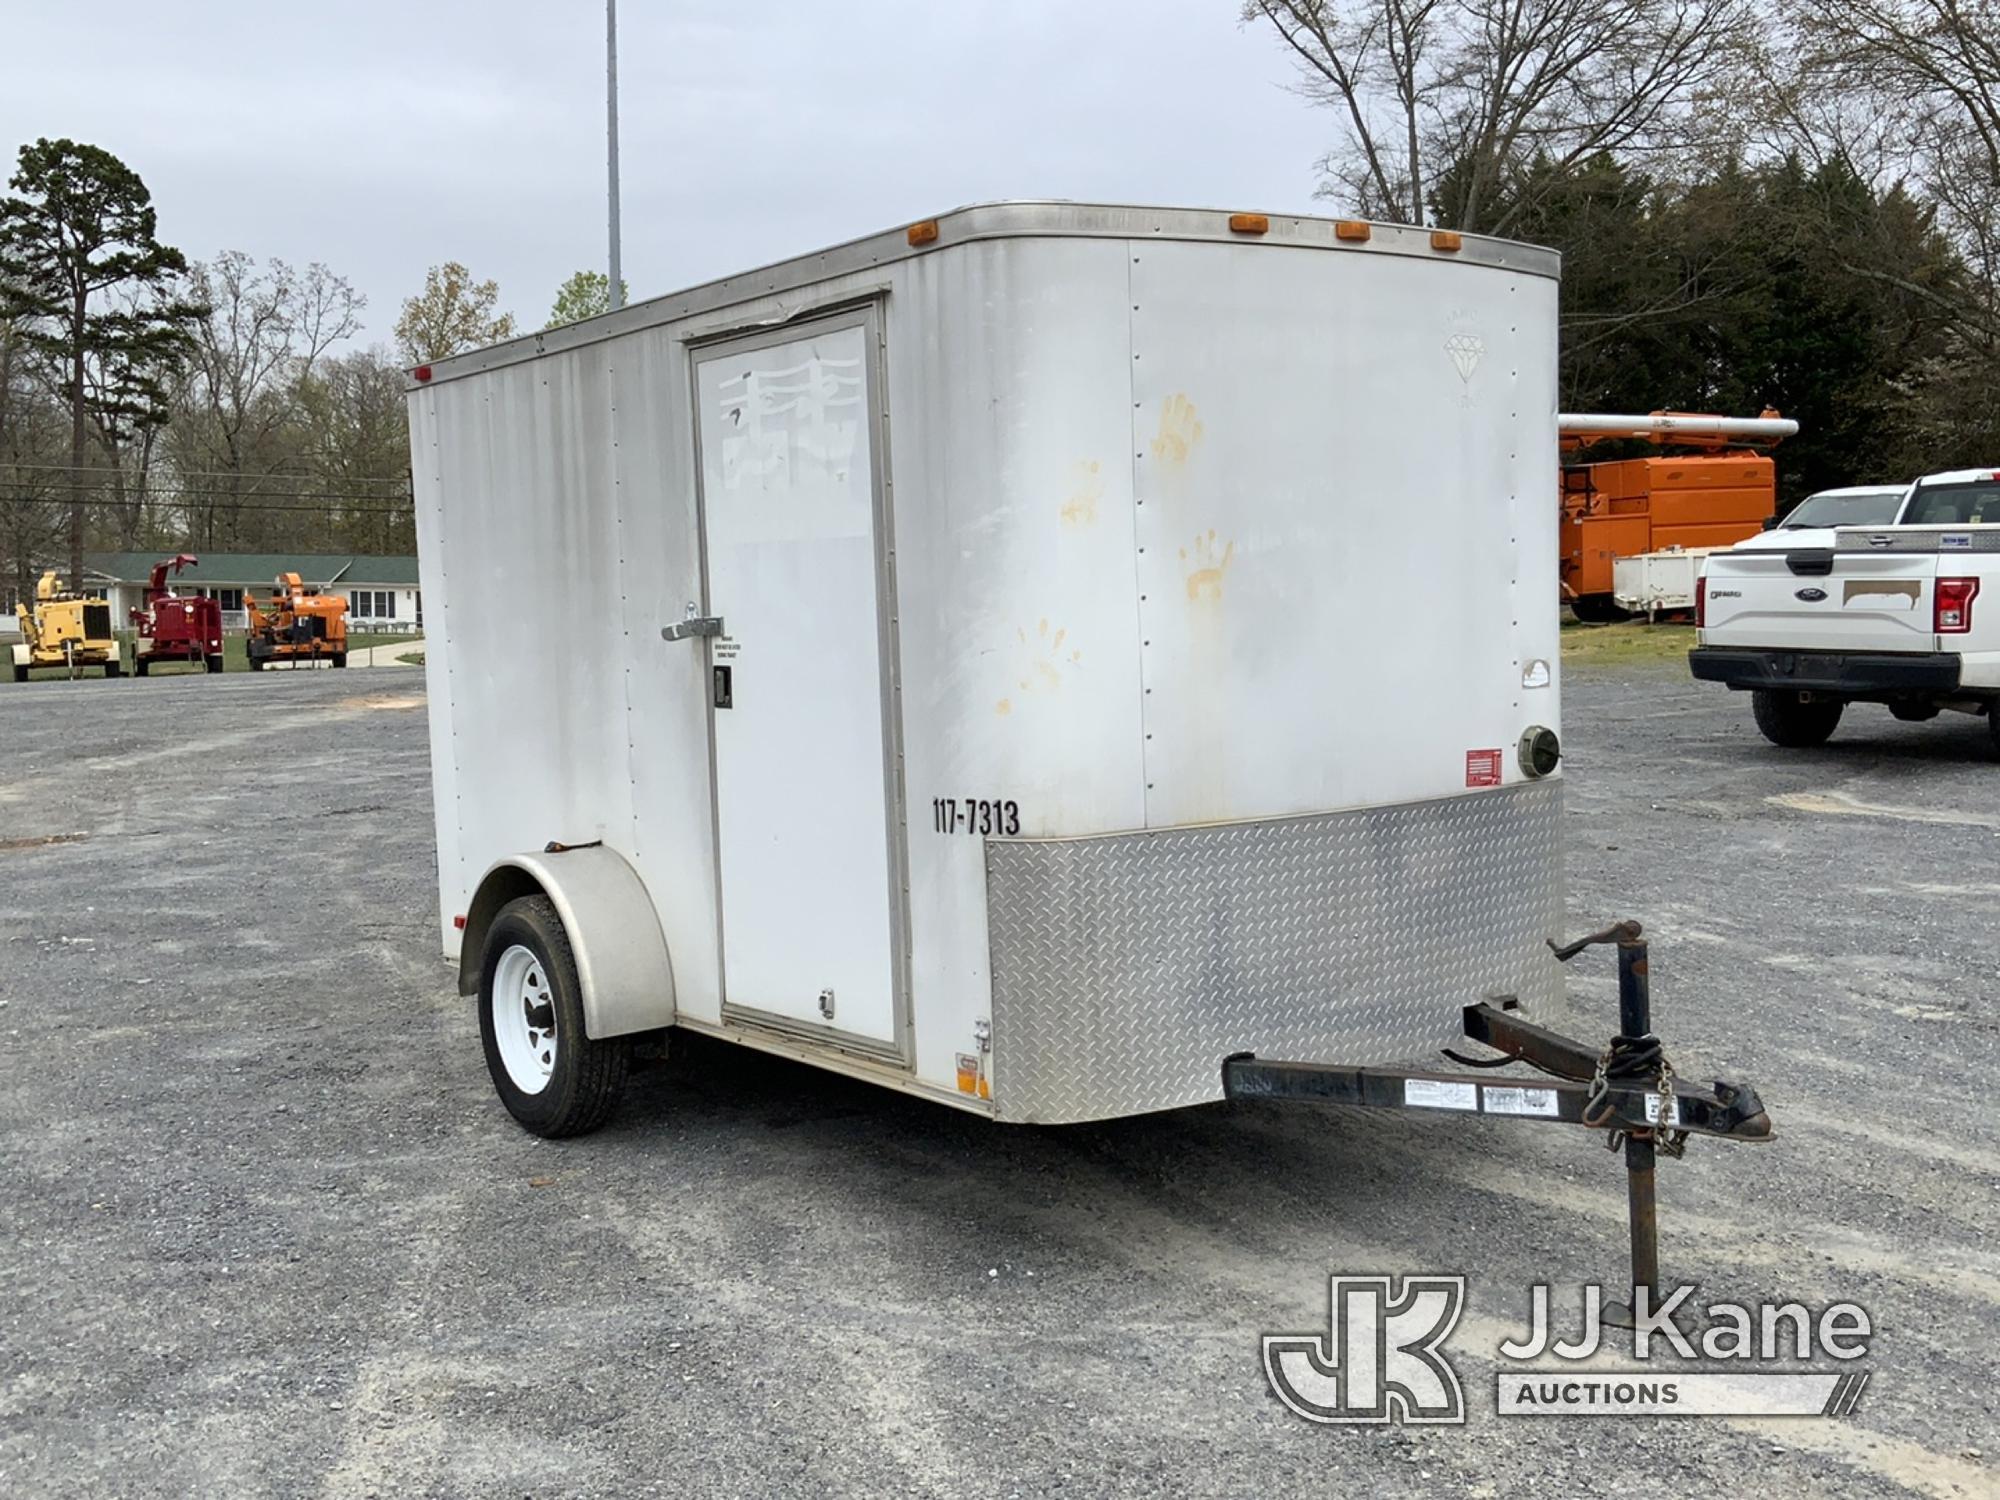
(1086, 489)
(1044, 661)
(1206, 567)
(1180, 431)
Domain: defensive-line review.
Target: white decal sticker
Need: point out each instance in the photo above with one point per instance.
(1507, 1099)
(1428, 1093)
(1535, 674)
(1653, 1110)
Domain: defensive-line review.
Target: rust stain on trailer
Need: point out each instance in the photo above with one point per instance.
(1179, 432)
(1086, 489)
(1206, 567)
(1046, 658)
(1860, 588)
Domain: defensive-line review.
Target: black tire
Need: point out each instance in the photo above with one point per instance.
(213, 663)
(1914, 713)
(20, 672)
(256, 664)
(1993, 725)
(114, 669)
(587, 1076)
(339, 659)
(139, 666)
(1597, 609)
(1795, 722)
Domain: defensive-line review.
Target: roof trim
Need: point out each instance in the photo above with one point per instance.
(991, 221)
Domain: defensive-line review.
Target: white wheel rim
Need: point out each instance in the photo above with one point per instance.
(524, 1019)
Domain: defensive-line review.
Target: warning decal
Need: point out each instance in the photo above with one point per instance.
(1434, 1093)
(1507, 1099)
(1482, 768)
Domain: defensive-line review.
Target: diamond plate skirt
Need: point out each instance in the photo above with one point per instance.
(1127, 967)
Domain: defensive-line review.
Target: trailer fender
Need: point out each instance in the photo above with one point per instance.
(621, 956)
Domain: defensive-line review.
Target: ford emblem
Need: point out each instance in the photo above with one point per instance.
(1811, 596)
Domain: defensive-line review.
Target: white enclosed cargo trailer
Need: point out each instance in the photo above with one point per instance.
(1025, 658)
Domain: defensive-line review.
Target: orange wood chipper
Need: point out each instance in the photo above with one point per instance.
(1681, 501)
(175, 627)
(296, 624)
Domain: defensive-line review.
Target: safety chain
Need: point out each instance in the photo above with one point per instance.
(1629, 1057)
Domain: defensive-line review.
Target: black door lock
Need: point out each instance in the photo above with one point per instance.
(724, 697)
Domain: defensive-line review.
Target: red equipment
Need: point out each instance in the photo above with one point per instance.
(173, 627)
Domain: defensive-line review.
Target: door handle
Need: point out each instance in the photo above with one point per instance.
(694, 625)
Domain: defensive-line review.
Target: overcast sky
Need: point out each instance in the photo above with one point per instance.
(383, 137)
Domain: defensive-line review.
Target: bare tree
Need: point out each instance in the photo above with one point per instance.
(1926, 75)
(266, 331)
(1445, 105)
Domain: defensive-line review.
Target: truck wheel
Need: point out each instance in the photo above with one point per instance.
(113, 669)
(213, 663)
(256, 665)
(339, 659)
(139, 666)
(553, 1079)
(1794, 722)
(20, 672)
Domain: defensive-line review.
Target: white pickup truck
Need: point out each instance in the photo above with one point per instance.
(1907, 615)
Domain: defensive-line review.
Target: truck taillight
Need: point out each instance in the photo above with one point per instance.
(1952, 608)
(1700, 601)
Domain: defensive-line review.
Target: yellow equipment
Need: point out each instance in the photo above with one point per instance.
(296, 624)
(65, 629)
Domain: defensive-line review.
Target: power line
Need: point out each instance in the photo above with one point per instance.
(372, 508)
(179, 475)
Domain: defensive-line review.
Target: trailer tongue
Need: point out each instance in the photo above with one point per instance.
(1629, 1090)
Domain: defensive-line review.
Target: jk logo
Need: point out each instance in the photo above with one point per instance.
(1379, 1361)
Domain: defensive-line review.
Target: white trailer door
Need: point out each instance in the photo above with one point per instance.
(807, 829)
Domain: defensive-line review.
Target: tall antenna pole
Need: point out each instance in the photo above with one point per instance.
(611, 126)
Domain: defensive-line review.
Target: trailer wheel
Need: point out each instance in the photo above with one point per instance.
(553, 1079)
(1795, 722)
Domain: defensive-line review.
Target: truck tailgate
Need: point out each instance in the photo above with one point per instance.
(1839, 595)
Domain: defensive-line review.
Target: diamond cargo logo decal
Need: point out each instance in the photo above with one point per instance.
(1465, 350)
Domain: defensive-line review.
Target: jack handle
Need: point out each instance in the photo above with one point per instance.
(1624, 934)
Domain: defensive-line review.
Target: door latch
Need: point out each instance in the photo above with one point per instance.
(693, 625)
(826, 1004)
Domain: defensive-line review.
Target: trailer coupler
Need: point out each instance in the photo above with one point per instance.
(1628, 1089)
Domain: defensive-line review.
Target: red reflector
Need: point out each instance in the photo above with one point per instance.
(1952, 605)
(458, 922)
(422, 372)
(1700, 601)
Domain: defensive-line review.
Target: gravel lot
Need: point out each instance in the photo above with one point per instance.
(264, 1229)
